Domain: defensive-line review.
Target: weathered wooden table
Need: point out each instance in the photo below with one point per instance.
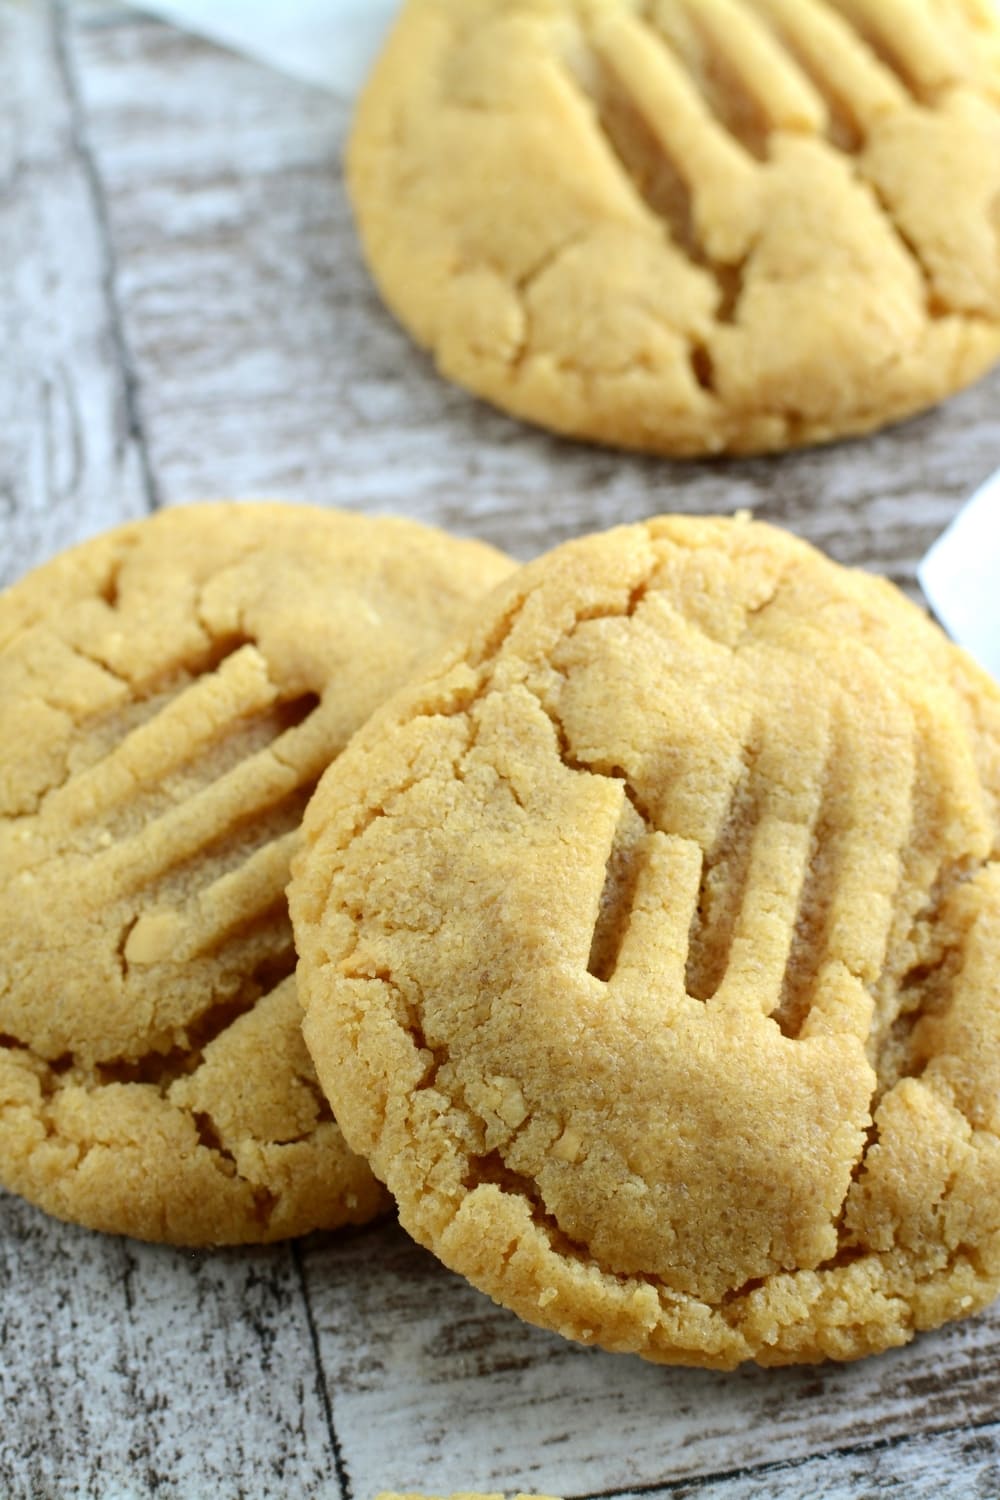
(183, 314)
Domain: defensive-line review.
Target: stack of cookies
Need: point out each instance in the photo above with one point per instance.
(647, 931)
(631, 919)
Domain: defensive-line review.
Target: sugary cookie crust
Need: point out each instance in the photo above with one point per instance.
(690, 226)
(169, 694)
(648, 949)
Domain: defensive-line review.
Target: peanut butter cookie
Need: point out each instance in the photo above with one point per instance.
(169, 694)
(690, 226)
(649, 950)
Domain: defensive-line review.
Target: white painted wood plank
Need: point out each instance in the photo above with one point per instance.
(269, 366)
(130, 1370)
(70, 464)
(477, 1400)
(950, 1466)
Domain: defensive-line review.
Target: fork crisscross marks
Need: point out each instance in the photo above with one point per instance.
(199, 672)
(743, 70)
(696, 70)
(932, 46)
(645, 946)
(857, 88)
(148, 936)
(732, 200)
(717, 173)
(629, 1069)
(800, 810)
(768, 880)
(724, 223)
(178, 838)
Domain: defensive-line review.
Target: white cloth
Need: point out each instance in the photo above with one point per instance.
(327, 42)
(961, 577)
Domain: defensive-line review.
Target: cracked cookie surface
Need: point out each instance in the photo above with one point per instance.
(648, 949)
(690, 226)
(169, 695)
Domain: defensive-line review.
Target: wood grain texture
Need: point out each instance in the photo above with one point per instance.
(134, 1370)
(965, 1464)
(71, 462)
(184, 313)
(480, 1400)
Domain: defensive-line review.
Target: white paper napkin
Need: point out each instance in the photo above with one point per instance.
(961, 577)
(329, 42)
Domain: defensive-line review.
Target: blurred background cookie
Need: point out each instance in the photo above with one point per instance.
(169, 694)
(649, 951)
(690, 226)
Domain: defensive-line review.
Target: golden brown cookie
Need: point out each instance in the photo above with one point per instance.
(169, 694)
(690, 226)
(649, 950)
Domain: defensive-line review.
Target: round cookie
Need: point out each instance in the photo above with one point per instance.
(169, 695)
(649, 950)
(690, 226)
